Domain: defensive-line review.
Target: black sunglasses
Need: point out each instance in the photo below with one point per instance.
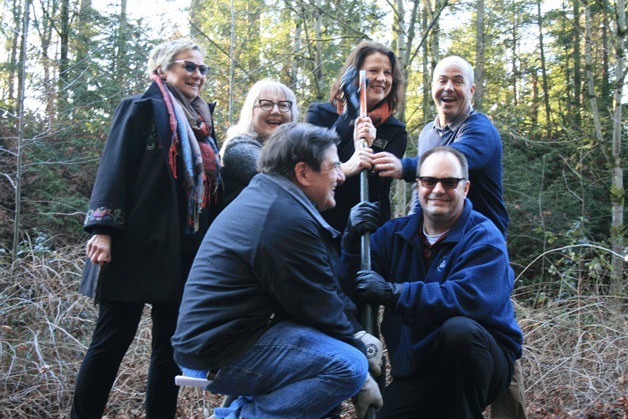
(447, 182)
(191, 67)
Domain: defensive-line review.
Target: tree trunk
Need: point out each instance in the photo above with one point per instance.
(513, 62)
(544, 83)
(15, 38)
(617, 178)
(20, 148)
(478, 97)
(232, 29)
(577, 80)
(64, 37)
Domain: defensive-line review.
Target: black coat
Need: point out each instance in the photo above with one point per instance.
(268, 257)
(141, 205)
(391, 137)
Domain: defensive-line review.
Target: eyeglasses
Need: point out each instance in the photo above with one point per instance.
(191, 67)
(268, 105)
(447, 182)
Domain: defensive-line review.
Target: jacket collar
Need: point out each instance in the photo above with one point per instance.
(302, 199)
(410, 232)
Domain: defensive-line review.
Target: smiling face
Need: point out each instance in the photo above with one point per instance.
(441, 207)
(189, 84)
(452, 89)
(321, 185)
(379, 72)
(264, 122)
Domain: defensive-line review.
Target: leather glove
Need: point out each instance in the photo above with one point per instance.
(363, 218)
(374, 351)
(370, 287)
(349, 86)
(369, 395)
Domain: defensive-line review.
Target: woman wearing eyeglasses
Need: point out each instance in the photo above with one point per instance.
(155, 194)
(382, 131)
(267, 105)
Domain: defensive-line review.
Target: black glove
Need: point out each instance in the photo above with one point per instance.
(364, 217)
(349, 87)
(370, 287)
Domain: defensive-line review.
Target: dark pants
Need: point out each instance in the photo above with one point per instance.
(115, 329)
(467, 371)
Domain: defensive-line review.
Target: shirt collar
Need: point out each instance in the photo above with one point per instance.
(452, 127)
(302, 199)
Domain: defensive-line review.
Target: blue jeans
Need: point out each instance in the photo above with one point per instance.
(292, 371)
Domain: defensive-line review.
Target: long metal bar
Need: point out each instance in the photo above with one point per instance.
(368, 312)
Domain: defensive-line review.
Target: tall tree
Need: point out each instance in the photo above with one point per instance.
(478, 97)
(618, 193)
(544, 77)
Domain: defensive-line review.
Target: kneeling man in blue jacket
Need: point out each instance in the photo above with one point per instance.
(445, 280)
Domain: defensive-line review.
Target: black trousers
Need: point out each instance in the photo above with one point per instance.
(466, 371)
(115, 329)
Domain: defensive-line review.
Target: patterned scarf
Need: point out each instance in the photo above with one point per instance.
(378, 115)
(191, 139)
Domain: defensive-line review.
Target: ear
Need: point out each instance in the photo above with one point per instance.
(302, 174)
(473, 88)
(467, 184)
(160, 72)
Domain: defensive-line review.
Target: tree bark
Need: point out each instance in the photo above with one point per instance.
(20, 148)
(618, 193)
(478, 97)
(544, 82)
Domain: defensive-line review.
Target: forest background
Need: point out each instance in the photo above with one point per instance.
(550, 74)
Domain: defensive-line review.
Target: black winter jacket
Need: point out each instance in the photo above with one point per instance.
(269, 256)
(391, 137)
(142, 206)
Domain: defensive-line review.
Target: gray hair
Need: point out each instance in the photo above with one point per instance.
(245, 123)
(293, 143)
(464, 165)
(163, 54)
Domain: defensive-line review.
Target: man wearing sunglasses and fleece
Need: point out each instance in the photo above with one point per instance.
(444, 278)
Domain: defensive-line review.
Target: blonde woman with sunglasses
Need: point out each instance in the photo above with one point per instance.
(155, 194)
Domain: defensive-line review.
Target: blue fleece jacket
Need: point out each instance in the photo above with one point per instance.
(477, 138)
(469, 275)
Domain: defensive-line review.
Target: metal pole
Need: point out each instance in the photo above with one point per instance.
(368, 312)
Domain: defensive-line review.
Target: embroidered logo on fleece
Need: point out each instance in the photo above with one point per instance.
(442, 265)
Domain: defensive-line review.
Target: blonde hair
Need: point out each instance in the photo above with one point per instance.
(162, 55)
(245, 123)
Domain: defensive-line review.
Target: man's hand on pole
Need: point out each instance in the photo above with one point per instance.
(364, 218)
(374, 351)
(367, 397)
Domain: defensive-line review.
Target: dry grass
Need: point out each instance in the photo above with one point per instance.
(575, 362)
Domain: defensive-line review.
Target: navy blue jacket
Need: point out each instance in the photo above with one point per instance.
(269, 256)
(469, 275)
(391, 137)
(478, 139)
